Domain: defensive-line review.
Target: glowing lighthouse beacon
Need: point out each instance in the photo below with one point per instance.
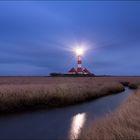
(79, 69)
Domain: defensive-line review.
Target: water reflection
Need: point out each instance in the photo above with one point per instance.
(76, 125)
(57, 124)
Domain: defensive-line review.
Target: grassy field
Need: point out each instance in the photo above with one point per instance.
(24, 93)
(123, 124)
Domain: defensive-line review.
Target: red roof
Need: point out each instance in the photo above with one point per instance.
(79, 70)
(85, 70)
(73, 70)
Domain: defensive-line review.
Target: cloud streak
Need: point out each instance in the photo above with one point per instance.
(36, 36)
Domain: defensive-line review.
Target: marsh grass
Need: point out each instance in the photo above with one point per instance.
(25, 93)
(124, 124)
(30, 94)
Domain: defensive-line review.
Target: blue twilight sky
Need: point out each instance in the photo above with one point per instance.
(36, 36)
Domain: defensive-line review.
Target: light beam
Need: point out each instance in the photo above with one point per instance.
(79, 51)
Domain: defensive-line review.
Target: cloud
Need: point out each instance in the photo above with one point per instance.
(36, 35)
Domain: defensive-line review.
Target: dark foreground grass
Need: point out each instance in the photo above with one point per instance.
(124, 124)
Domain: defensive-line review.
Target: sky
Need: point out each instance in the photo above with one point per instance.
(37, 37)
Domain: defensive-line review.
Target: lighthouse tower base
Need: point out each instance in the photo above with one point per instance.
(82, 71)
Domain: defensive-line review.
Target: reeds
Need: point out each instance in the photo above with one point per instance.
(124, 124)
(29, 94)
(24, 93)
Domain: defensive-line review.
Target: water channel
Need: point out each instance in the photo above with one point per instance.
(60, 123)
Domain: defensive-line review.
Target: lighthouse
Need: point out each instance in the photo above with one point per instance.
(79, 61)
(79, 69)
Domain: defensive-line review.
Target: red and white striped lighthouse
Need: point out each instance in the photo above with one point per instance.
(79, 64)
(79, 69)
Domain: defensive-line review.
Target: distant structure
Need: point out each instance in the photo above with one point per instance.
(79, 69)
